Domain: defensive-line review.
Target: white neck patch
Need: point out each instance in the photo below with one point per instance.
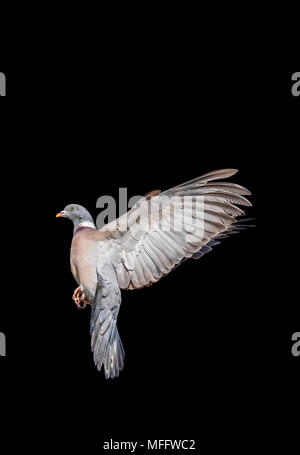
(86, 223)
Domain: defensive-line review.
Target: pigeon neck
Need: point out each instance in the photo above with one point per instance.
(84, 223)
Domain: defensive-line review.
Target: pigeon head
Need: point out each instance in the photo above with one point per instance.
(78, 214)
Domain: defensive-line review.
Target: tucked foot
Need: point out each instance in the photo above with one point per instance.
(78, 298)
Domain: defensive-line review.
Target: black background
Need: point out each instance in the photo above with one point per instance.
(208, 348)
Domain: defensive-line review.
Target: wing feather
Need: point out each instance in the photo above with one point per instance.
(200, 212)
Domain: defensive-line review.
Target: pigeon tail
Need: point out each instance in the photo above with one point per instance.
(105, 339)
(114, 357)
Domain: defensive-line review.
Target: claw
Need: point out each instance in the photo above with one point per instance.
(78, 298)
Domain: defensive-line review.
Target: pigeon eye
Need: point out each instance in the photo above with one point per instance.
(73, 208)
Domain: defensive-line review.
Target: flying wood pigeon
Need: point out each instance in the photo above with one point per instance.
(125, 254)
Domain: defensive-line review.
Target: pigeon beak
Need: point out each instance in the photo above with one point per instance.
(62, 213)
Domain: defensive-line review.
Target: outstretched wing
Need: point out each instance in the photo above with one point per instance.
(163, 229)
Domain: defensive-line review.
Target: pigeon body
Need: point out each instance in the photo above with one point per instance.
(83, 260)
(130, 253)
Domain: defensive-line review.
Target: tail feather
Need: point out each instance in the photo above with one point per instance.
(105, 339)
